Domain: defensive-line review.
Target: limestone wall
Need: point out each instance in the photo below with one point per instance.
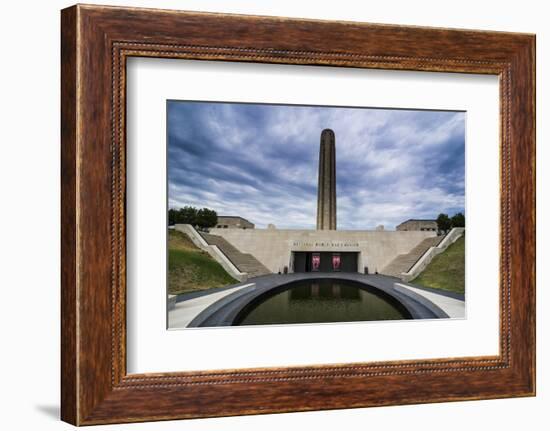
(273, 247)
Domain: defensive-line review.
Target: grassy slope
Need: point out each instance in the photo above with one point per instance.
(190, 268)
(445, 271)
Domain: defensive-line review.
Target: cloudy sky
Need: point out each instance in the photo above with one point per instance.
(260, 162)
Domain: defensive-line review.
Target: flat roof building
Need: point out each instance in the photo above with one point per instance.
(233, 222)
(418, 224)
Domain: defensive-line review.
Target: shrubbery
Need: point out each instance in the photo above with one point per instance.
(203, 218)
(446, 223)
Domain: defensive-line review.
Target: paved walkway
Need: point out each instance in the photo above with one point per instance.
(185, 311)
(454, 308)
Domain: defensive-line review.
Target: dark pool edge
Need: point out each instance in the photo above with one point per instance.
(224, 311)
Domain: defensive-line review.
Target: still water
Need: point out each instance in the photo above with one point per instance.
(322, 300)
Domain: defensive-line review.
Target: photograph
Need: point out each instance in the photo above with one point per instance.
(282, 214)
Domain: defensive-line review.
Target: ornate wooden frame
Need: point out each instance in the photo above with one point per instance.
(95, 43)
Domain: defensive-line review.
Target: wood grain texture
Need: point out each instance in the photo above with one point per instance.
(96, 41)
(68, 218)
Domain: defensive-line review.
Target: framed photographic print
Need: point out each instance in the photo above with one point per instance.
(325, 214)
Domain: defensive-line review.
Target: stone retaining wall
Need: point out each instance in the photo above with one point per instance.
(274, 247)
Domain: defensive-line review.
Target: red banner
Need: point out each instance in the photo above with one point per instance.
(336, 261)
(315, 261)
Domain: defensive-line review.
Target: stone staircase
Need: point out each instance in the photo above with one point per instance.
(245, 262)
(403, 262)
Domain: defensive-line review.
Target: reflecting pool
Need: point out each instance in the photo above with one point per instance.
(322, 300)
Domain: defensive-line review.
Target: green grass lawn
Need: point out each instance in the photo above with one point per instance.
(190, 268)
(445, 271)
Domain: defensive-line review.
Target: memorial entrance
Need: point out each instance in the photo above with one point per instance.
(325, 261)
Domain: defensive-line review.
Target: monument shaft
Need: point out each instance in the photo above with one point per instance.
(326, 190)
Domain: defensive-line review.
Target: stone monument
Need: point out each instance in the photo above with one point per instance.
(326, 191)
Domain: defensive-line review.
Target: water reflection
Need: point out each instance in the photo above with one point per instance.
(323, 301)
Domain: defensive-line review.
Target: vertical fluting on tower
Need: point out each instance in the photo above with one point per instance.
(326, 189)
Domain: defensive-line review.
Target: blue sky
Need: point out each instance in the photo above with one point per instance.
(260, 162)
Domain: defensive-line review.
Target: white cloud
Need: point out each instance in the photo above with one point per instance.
(260, 162)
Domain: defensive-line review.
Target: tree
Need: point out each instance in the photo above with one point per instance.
(443, 223)
(206, 218)
(185, 215)
(188, 215)
(458, 220)
(172, 216)
(203, 218)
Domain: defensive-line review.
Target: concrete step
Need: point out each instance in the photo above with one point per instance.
(245, 262)
(403, 262)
